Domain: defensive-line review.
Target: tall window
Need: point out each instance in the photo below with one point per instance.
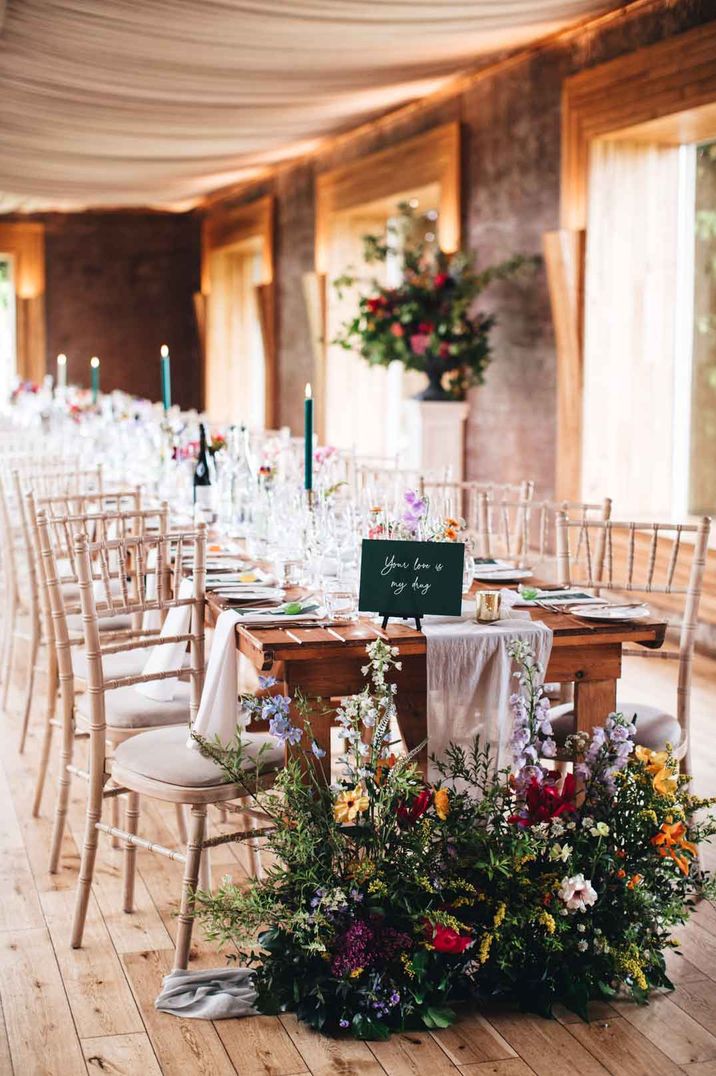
(7, 328)
(364, 403)
(702, 469)
(236, 382)
(649, 430)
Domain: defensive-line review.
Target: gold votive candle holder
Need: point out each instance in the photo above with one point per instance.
(487, 606)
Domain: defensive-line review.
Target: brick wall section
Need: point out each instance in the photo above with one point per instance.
(119, 285)
(510, 196)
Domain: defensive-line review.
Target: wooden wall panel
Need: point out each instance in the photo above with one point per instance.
(25, 242)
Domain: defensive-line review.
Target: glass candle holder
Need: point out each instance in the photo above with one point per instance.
(487, 606)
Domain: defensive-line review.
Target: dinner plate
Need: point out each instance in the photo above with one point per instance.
(502, 575)
(613, 612)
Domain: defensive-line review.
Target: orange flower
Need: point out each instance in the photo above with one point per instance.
(670, 839)
(383, 766)
(621, 873)
(620, 853)
(634, 881)
(664, 779)
(441, 802)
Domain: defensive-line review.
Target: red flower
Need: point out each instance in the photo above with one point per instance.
(425, 327)
(397, 329)
(544, 801)
(441, 280)
(375, 304)
(417, 808)
(444, 350)
(445, 939)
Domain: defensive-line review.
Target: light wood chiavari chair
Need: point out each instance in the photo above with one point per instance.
(660, 560)
(55, 538)
(157, 763)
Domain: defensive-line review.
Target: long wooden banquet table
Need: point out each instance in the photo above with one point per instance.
(326, 662)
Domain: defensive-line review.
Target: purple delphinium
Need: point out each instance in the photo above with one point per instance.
(532, 728)
(607, 752)
(414, 511)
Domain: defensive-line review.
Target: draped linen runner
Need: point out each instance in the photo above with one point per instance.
(211, 994)
(168, 655)
(469, 674)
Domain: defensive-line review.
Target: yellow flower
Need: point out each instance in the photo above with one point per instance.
(349, 804)
(547, 922)
(666, 782)
(355, 973)
(485, 945)
(441, 801)
(499, 915)
(653, 760)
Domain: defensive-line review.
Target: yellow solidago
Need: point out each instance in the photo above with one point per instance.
(547, 922)
(408, 965)
(499, 915)
(377, 887)
(485, 945)
(628, 962)
(424, 882)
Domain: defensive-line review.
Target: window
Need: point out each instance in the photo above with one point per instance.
(7, 328)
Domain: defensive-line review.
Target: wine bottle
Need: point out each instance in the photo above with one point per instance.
(203, 492)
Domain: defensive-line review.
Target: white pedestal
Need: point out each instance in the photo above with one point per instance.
(435, 436)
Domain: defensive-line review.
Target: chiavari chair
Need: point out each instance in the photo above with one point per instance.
(55, 538)
(19, 597)
(157, 763)
(661, 560)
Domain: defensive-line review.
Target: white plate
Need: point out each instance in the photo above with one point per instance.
(503, 575)
(613, 612)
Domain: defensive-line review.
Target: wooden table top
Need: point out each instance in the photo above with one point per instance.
(264, 645)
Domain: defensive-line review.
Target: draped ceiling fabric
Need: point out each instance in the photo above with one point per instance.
(156, 102)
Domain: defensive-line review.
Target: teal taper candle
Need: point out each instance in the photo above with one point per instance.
(94, 367)
(166, 373)
(308, 439)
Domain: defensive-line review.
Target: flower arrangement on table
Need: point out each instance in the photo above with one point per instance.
(416, 522)
(428, 321)
(389, 899)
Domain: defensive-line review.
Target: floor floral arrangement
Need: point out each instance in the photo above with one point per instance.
(389, 900)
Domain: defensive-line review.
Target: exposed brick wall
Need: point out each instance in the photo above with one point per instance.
(510, 196)
(119, 285)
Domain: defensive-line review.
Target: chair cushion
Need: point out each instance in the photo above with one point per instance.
(127, 663)
(654, 727)
(106, 623)
(162, 755)
(126, 708)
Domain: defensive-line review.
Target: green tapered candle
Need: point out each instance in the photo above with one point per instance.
(94, 369)
(165, 363)
(308, 439)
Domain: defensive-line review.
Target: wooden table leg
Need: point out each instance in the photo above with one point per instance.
(594, 700)
(412, 707)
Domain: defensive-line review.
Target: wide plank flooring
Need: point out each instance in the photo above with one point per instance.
(66, 1013)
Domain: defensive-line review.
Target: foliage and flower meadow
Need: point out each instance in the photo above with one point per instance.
(387, 901)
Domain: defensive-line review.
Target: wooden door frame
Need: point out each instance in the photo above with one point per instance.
(668, 91)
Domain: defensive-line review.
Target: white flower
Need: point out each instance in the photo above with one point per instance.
(600, 830)
(581, 928)
(560, 851)
(582, 946)
(557, 827)
(587, 822)
(577, 893)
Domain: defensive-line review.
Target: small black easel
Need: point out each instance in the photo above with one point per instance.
(387, 617)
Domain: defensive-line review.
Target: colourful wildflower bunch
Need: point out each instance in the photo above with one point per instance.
(429, 319)
(386, 899)
(416, 522)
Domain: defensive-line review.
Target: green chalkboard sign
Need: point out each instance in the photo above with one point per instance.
(410, 579)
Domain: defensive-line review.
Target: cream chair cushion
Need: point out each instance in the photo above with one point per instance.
(162, 755)
(126, 663)
(654, 727)
(127, 708)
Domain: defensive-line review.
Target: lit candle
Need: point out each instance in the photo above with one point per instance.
(165, 364)
(94, 366)
(308, 439)
(61, 371)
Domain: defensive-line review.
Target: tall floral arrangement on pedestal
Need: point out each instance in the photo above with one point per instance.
(389, 899)
(427, 322)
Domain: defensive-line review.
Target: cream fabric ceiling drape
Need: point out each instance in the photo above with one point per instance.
(140, 102)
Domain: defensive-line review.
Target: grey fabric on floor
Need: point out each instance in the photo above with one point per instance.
(211, 994)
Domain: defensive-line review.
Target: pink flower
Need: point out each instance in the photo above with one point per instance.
(577, 893)
(397, 329)
(419, 343)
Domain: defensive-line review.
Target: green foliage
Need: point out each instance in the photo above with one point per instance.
(429, 320)
(386, 900)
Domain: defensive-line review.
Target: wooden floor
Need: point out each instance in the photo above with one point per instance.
(66, 1013)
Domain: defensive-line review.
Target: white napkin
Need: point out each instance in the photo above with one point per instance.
(169, 655)
(217, 709)
(212, 994)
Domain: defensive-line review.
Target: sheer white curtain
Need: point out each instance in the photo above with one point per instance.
(630, 327)
(236, 375)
